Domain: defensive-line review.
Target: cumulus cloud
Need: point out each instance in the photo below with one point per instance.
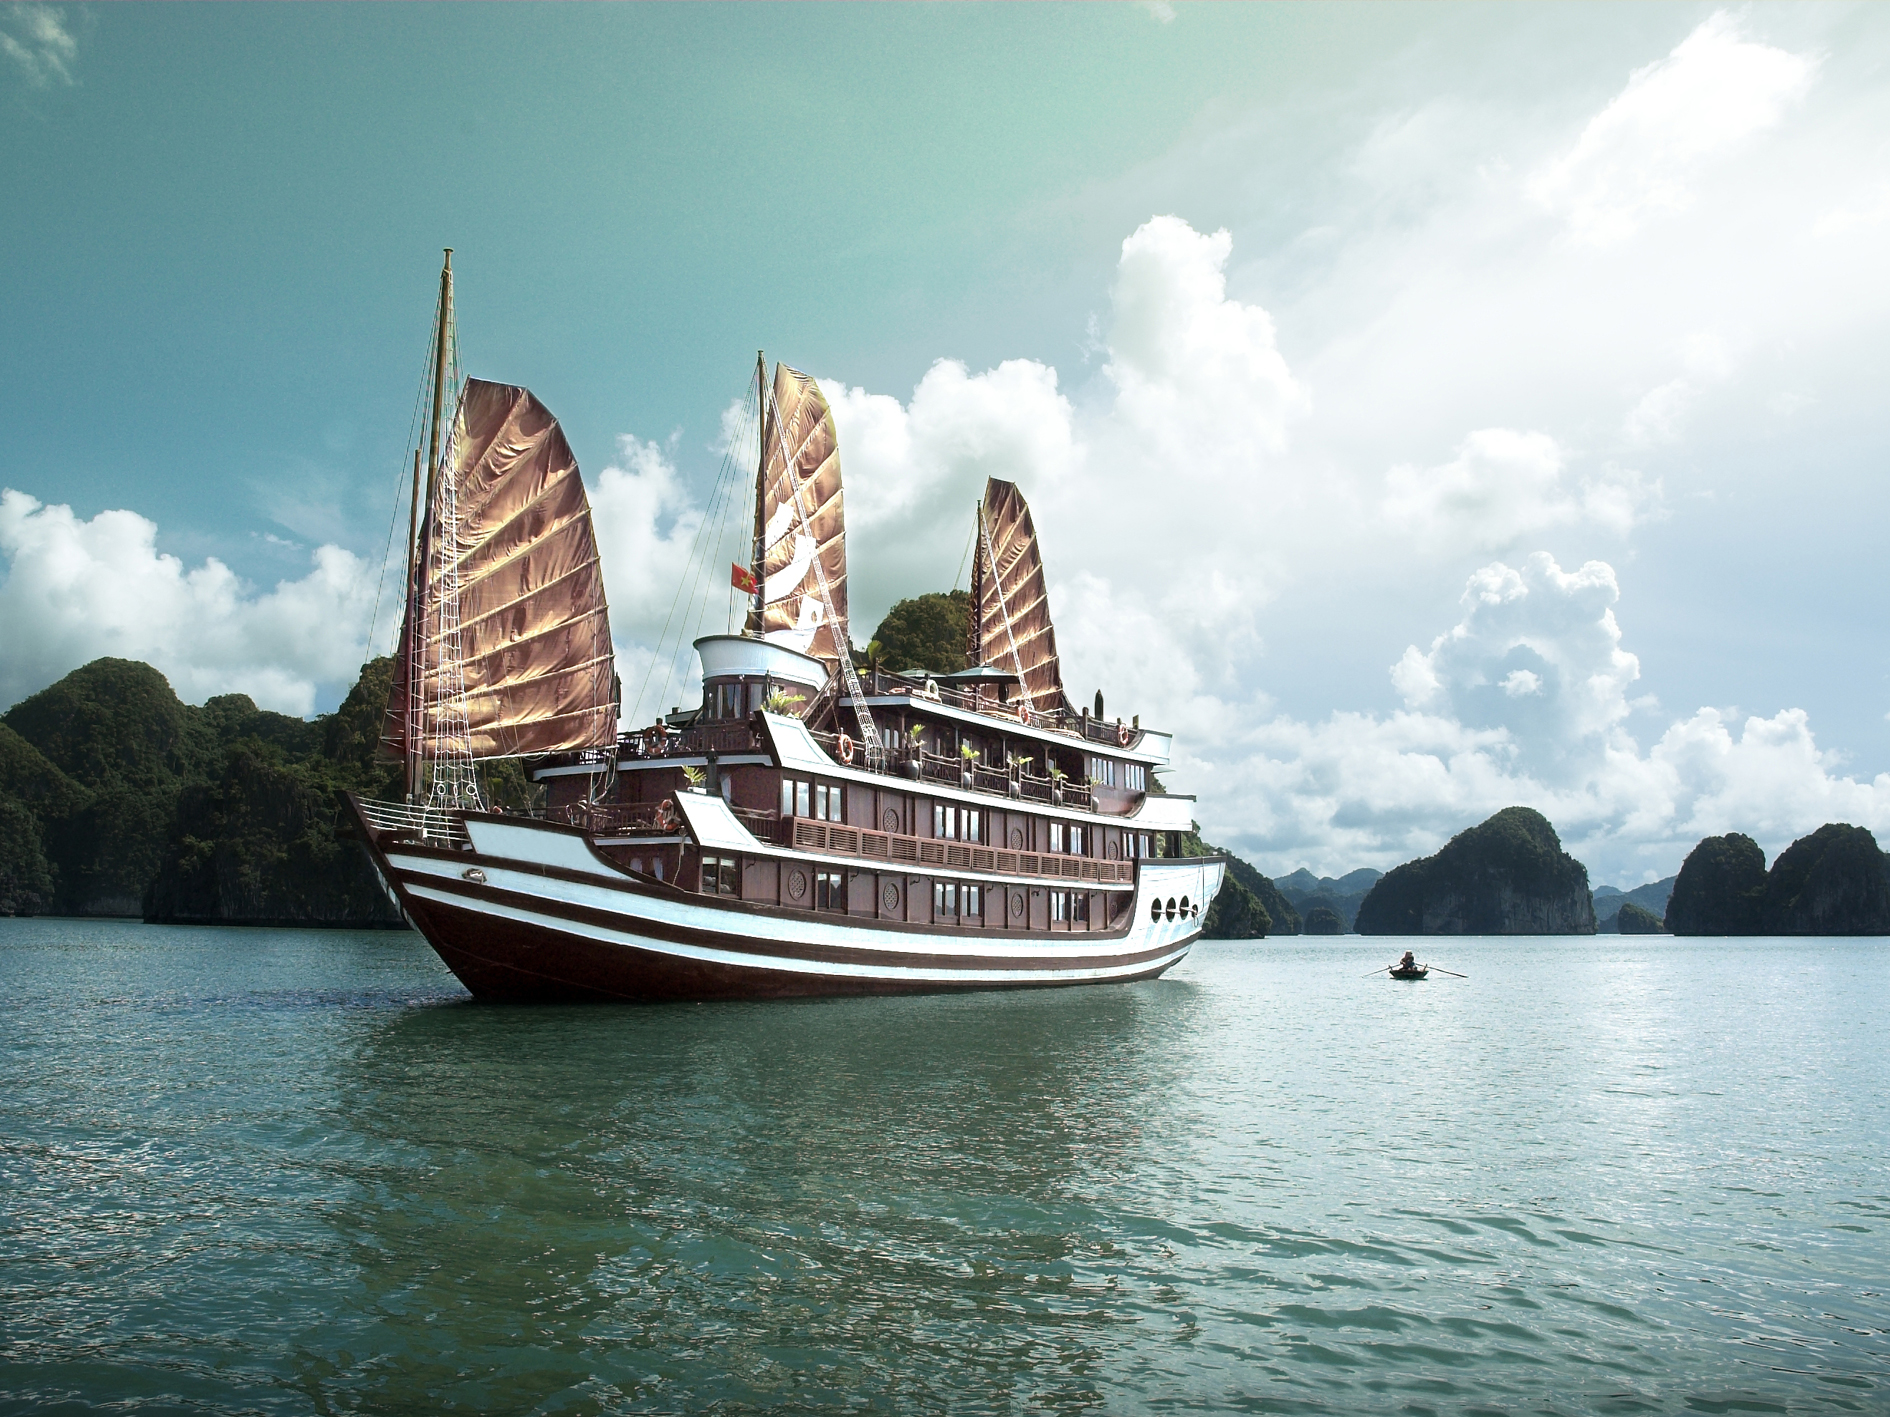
(38, 41)
(1505, 485)
(1525, 700)
(76, 590)
(1639, 156)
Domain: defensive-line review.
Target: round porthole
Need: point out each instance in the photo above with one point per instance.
(1154, 910)
(1171, 907)
(890, 895)
(797, 885)
(1184, 905)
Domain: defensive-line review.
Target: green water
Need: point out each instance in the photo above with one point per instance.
(282, 1171)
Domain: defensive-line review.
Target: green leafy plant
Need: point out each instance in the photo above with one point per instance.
(969, 753)
(695, 777)
(779, 700)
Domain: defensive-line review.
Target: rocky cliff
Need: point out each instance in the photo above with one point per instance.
(1720, 889)
(1834, 882)
(1507, 876)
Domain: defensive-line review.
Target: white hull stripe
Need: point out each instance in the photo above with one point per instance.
(751, 960)
(810, 930)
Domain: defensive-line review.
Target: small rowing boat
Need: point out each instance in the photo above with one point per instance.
(1415, 971)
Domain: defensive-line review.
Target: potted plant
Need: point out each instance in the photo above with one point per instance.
(694, 777)
(915, 750)
(1013, 771)
(969, 755)
(1057, 778)
(779, 700)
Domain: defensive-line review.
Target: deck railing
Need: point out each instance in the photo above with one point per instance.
(919, 851)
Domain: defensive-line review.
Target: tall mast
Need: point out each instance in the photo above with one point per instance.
(439, 375)
(757, 610)
(416, 650)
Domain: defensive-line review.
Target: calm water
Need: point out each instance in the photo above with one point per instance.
(281, 1171)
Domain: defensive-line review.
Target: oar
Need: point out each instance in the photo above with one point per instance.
(1451, 972)
(1385, 970)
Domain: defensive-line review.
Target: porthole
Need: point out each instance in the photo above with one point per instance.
(1017, 903)
(891, 895)
(1171, 907)
(1154, 910)
(892, 819)
(797, 885)
(1184, 905)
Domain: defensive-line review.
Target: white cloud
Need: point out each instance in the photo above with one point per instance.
(1504, 485)
(1524, 701)
(76, 590)
(36, 39)
(1639, 156)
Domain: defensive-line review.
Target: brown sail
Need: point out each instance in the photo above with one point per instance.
(1010, 605)
(801, 520)
(509, 529)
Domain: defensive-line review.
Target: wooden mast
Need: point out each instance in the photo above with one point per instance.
(408, 759)
(423, 542)
(758, 607)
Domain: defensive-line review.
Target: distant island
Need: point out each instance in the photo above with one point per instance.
(1506, 876)
(119, 799)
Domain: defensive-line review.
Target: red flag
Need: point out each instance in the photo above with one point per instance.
(741, 577)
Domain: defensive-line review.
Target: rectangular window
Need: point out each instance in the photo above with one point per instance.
(944, 822)
(787, 796)
(1079, 908)
(944, 899)
(801, 809)
(728, 788)
(1103, 770)
(1056, 836)
(1135, 777)
(721, 875)
(974, 824)
(1076, 840)
(973, 897)
(820, 802)
(830, 890)
(1059, 906)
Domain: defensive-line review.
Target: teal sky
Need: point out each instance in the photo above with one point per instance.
(1596, 284)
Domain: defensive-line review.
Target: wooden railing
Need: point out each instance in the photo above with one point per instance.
(921, 851)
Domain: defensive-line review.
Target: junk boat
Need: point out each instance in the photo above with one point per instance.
(814, 827)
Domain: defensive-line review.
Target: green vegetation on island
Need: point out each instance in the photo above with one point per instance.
(1634, 919)
(1507, 876)
(1836, 881)
(117, 798)
(926, 632)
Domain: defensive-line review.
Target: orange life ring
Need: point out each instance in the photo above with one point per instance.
(1124, 734)
(666, 814)
(846, 750)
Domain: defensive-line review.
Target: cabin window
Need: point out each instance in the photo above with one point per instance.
(721, 875)
(1135, 777)
(728, 788)
(826, 802)
(974, 824)
(830, 890)
(801, 809)
(1056, 836)
(725, 701)
(1059, 907)
(1076, 840)
(1138, 845)
(797, 798)
(944, 822)
(972, 902)
(1079, 908)
(944, 899)
(1103, 770)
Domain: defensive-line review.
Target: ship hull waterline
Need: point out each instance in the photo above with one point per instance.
(547, 918)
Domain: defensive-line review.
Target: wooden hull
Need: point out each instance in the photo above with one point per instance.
(1409, 973)
(532, 911)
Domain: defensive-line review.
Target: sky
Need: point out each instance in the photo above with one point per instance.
(1425, 409)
